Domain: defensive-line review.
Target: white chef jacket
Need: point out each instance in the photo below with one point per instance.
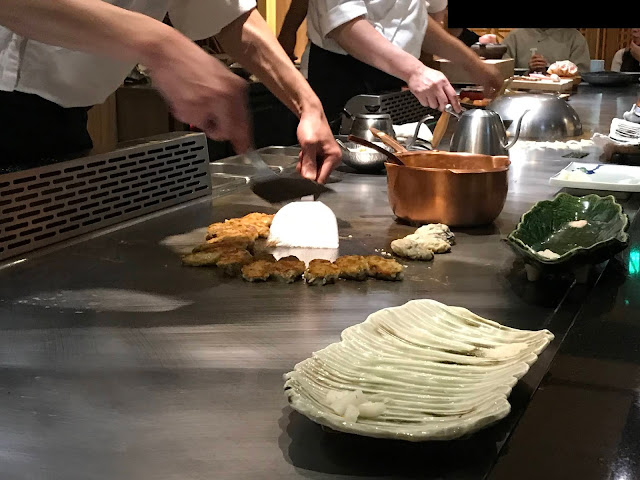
(77, 79)
(402, 22)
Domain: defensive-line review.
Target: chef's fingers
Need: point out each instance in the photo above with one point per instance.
(331, 160)
(299, 164)
(309, 166)
(452, 98)
(441, 98)
(431, 99)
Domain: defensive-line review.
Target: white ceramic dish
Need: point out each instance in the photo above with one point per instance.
(607, 177)
(442, 372)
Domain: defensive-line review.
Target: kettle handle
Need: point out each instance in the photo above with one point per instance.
(414, 138)
(515, 137)
(348, 113)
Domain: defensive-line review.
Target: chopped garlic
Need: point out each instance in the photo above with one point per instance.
(353, 404)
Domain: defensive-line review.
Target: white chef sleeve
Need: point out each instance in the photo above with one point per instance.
(199, 19)
(333, 13)
(435, 6)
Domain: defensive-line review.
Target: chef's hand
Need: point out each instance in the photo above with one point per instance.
(319, 153)
(537, 63)
(202, 92)
(433, 89)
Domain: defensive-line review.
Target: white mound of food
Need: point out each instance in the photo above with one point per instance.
(575, 176)
(424, 242)
(411, 246)
(304, 225)
(578, 224)
(548, 254)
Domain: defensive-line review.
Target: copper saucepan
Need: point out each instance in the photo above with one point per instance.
(455, 188)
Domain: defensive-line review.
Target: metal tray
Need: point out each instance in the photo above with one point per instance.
(608, 78)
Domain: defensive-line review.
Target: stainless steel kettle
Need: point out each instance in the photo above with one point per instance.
(482, 131)
(363, 121)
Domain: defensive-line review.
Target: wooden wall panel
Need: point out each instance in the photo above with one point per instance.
(102, 125)
(282, 6)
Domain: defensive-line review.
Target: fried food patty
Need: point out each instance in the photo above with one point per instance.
(260, 221)
(254, 223)
(238, 242)
(353, 267)
(231, 263)
(288, 269)
(203, 259)
(232, 228)
(321, 272)
(264, 218)
(258, 271)
(264, 256)
(384, 268)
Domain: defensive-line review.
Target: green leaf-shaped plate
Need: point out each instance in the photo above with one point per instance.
(546, 227)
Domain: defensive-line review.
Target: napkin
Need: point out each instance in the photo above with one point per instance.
(609, 146)
(406, 130)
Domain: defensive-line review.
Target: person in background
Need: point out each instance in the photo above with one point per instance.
(298, 12)
(628, 59)
(57, 59)
(371, 47)
(550, 44)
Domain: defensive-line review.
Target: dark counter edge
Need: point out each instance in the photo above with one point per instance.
(589, 327)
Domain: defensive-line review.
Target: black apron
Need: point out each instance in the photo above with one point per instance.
(337, 78)
(35, 131)
(629, 64)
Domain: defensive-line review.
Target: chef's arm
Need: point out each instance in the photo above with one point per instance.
(439, 42)
(92, 26)
(250, 42)
(199, 89)
(293, 19)
(443, 44)
(362, 41)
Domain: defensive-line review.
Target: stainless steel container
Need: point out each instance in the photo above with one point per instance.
(549, 118)
(363, 121)
(361, 159)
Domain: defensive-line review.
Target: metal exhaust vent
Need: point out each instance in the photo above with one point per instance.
(45, 205)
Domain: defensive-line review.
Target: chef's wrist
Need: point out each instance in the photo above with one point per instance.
(159, 45)
(310, 105)
(410, 68)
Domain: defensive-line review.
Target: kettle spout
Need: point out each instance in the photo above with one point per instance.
(515, 137)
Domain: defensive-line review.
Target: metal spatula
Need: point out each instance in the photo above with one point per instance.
(276, 188)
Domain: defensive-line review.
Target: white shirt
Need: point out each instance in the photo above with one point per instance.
(616, 62)
(402, 22)
(77, 79)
